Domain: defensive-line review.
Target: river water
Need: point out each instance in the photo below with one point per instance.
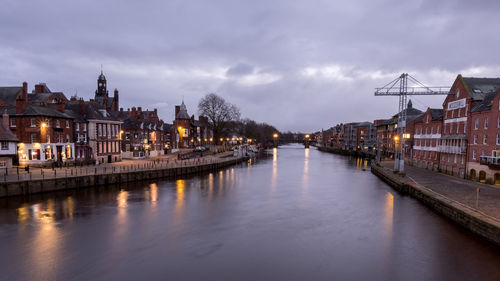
(298, 214)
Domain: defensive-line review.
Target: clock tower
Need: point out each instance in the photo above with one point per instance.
(101, 86)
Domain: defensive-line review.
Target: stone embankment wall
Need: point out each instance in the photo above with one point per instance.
(480, 224)
(38, 186)
(346, 152)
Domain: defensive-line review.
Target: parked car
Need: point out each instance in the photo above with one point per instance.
(200, 149)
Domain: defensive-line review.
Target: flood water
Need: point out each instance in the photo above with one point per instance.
(299, 214)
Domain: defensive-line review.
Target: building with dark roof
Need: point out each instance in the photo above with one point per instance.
(188, 132)
(144, 133)
(97, 133)
(45, 130)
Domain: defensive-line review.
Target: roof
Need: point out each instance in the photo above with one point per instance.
(485, 104)
(34, 110)
(436, 114)
(363, 124)
(479, 87)
(6, 134)
(183, 114)
(92, 111)
(9, 94)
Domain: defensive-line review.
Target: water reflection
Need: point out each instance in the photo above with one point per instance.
(389, 214)
(274, 176)
(179, 200)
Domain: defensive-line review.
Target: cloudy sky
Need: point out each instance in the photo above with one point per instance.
(299, 65)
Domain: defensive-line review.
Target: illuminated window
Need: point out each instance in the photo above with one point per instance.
(13, 122)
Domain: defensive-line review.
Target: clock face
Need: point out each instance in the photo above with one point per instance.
(100, 84)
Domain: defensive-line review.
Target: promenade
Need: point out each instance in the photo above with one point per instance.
(169, 161)
(460, 190)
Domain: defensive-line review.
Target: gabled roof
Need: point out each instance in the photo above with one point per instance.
(6, 134)
(9, 94)
(436, 114)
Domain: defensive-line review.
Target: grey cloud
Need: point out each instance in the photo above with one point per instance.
(251, 52)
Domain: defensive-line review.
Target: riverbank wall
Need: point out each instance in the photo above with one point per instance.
(339, 151)
(477, 222)
(27, 187)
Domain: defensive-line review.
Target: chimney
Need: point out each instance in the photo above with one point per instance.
(121, 109)
(155, 112)
(115, 100)
(177, 109)
(192, 117)
(25, 89)
(5, 119)
(60, 106)
(40, 88)
(21, 100)
(81, 106)
(139, 109)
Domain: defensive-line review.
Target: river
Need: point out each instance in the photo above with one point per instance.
(299, 214)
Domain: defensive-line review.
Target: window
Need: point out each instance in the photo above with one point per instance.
(485, 138)
(13, 122)
(136, 135)
(476, 123)
(458, 125)
(432, 130)
(67, 123)
(58, 124)
(486, 123)
(453, 113)
(77, 128)
(483, 152)
(67, 138)
(33, 122)
(455, 159)
(498, 139)
(99, 128)
(84, 127)
(47, 138)
(33, 138)
(459, 111)
(437, 132)
(475, 139)
(473, 154)
(5, 145)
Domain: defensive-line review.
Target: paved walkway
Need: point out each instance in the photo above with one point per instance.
(127, 165)
(460, 190)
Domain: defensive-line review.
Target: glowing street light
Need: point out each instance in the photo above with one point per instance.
(275, 136)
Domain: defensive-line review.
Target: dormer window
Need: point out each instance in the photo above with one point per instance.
(12, 122)
(457, 93)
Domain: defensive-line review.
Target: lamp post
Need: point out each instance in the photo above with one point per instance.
(396, 155)
(275, 137)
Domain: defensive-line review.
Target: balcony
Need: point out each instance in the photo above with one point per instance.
(489, 160)
(452, 149)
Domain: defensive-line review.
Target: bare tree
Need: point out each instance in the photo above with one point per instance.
(219, 113)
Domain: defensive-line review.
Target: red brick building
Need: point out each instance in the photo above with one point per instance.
(427, 139)
(457, 136)
(484, 140)
(45, 130)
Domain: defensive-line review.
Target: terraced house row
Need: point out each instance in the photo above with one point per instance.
(45, 128)
(461, 138)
